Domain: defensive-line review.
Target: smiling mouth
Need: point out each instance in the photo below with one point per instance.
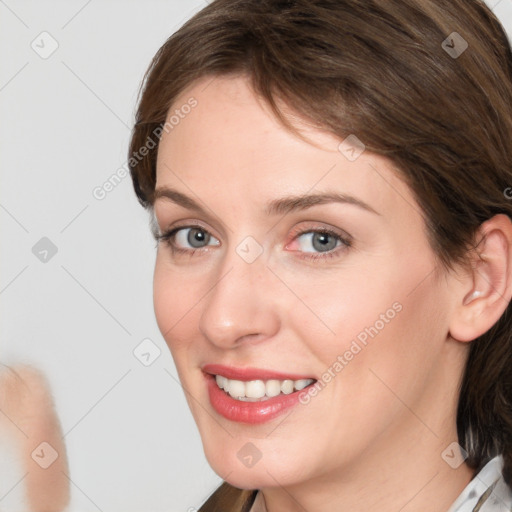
(260, 390)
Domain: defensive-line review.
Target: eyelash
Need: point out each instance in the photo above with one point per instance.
(168, 237)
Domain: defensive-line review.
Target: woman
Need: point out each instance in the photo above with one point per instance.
(327, 182)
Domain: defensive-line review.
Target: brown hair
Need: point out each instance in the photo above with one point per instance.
(378, 69)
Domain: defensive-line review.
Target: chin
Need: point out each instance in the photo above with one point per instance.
(255, 478)
(228, 463)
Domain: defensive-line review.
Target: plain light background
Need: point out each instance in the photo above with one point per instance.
(79, 313)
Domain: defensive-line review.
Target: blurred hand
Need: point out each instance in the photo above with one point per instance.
(27, 419)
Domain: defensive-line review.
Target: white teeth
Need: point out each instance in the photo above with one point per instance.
(287, 387)
(236, 388)
(301, 384)
(221, 381)
(273, 388)
(255, 390)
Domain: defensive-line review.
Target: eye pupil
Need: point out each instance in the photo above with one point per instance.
(196, 237)
(327, 241)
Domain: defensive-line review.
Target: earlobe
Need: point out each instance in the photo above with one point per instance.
(488, 287)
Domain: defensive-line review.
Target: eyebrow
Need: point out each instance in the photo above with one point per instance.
(279, 206)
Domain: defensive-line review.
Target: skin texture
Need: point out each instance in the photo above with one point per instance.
(373, 436)
(29, 419)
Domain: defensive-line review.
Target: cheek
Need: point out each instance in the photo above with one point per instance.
(174, 299)
(384, 329)
(383, 352)
(337, 309)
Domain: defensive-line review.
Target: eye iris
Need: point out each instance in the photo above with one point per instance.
(196, 237)
(325, 240)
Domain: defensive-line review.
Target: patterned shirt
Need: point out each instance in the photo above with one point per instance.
(487, 492)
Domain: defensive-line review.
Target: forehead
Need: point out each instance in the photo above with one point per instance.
(231, 142)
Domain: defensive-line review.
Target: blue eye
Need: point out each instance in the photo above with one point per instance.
(320, 241)
(320, 244)
(314, 244)
(195, 237)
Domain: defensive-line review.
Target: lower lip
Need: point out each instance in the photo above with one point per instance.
(249, 412)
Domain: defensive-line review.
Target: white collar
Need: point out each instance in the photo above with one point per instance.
(487, 491)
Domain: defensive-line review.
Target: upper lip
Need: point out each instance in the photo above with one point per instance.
(249, 373)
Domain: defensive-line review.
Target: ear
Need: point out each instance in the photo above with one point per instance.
(487, 288)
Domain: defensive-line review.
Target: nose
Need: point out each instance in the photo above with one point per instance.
(241, 304)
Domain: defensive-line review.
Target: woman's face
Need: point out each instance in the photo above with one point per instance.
(277, 278)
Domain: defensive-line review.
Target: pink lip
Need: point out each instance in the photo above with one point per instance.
(247, 374)
(248, 412)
